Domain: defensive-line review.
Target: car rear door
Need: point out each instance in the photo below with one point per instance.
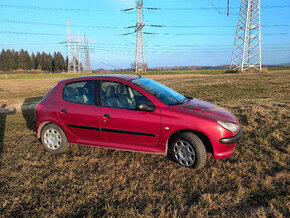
(123, 125)
(78, 112)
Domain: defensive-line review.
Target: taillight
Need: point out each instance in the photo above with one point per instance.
(39, 107)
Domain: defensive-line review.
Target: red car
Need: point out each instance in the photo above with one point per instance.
(136, 114)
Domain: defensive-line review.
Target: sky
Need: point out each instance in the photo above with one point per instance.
(195, 32)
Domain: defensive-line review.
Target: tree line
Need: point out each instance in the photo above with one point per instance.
(15, 60)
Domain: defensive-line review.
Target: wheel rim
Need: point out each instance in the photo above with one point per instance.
(52, 139)
(184, 153)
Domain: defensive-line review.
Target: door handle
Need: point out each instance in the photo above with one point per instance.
(63, 111)
(107, 116)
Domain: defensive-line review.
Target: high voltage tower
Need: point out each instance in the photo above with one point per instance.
(140, 64)
(71, 63)
(75, 52)
(247, 45)
(87, 63)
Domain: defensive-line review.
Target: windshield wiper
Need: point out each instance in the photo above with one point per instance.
(187, 97)
(174, 99)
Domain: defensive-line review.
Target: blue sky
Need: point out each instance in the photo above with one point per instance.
(196, 33)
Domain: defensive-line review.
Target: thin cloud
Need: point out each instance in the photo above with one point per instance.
(126, 2)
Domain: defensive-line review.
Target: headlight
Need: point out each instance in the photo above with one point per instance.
(229, 126)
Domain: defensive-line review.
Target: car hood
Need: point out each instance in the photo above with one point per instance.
(208, 109)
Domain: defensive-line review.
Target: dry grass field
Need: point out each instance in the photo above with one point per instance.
(87, 181)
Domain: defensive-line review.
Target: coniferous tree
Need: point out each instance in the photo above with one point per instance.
(58, 62)
(34, 61)
(14, 60)
(7, 60)
(24, 60)
(39, 61)
(49, 62)
(2, 59)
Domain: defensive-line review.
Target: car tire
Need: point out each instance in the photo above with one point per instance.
(54, 139)
(188, 150)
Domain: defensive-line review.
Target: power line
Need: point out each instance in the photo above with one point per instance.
(220, 9)
(55, 24)
(116, 27)
(31, 33)
(129, 9)
(175, 34)
(54, 8)
(109, 65)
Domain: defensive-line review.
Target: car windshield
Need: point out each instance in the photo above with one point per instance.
(160, 91)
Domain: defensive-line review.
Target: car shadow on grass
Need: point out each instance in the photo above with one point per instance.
(27, 109)
(4, 112)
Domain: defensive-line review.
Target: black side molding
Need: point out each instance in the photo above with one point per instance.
(232, 140)
(84, 127)
(127, 132)
(111, 130)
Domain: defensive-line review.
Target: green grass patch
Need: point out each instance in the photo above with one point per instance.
(278, 68)
(66, 75)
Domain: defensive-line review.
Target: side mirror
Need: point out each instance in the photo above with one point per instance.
(143, 106)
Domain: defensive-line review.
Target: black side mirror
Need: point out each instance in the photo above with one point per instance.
(143, 106)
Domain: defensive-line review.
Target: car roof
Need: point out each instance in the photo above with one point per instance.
(104, 76)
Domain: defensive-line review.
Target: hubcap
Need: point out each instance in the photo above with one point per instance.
(184, 153)
(52, 139)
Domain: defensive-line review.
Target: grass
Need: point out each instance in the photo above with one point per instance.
(278, 68)
(65, 75)
(88, 181)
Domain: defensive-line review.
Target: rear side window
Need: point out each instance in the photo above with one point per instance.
(79, 92)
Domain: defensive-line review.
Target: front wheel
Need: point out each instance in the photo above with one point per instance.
(54, 139)
(188, 150)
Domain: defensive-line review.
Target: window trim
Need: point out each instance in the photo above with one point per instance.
(97, 93)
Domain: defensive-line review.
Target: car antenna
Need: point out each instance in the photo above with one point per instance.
(139, 75)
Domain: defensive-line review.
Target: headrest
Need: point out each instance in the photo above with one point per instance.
(110, 91)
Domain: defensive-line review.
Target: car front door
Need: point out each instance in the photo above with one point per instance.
(78, 112)
(120, 122)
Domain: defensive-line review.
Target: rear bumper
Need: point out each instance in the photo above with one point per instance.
(34, 128)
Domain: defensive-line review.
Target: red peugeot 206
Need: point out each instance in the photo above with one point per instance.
(137, 114)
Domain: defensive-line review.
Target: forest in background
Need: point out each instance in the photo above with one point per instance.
(11, 60)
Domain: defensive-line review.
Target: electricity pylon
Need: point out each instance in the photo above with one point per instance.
(140, 64)
(74, 56)
(139, 59)
(79, 55)
(71, 66)
(87, 63)
(247, 45)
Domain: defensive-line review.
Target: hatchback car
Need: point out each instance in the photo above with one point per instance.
(136, 114)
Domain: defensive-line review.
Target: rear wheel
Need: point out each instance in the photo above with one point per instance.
(54, 139)
(188, 150)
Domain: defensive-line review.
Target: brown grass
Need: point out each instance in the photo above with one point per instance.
(91, 182)
(250, 70)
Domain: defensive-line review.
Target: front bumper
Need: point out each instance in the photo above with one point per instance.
(233, 139)
(225, 147)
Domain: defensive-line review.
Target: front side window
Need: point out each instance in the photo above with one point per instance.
(160, 91)
(79, 92)
(119, 95)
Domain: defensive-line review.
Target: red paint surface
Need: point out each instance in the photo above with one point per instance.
(195, 115)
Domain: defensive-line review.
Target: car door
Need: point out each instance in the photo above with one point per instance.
(78, 112)
(120, 122)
